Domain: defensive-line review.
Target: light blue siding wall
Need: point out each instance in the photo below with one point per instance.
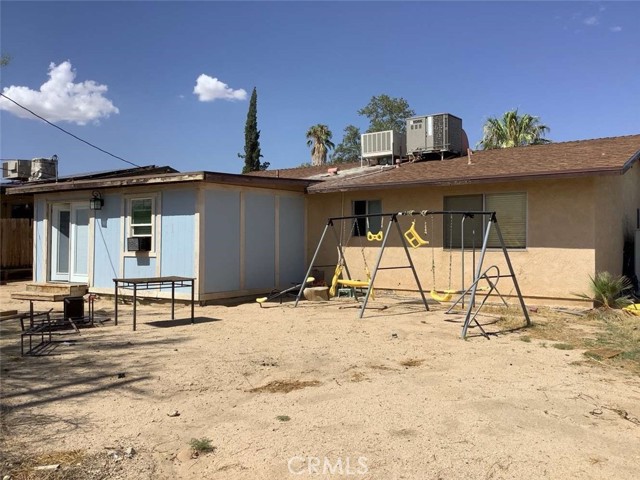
(107, 241)
(291, 236)
(221, 247)
(259, 240)
(139, 266)
(39, 273)
(178, 242)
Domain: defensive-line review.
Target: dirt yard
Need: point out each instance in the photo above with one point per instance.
(314, 392)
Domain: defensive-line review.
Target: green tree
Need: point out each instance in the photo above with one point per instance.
(349, 149)
(513, 130)
(319, 139)
(5, 59)
(252, 153)
(387, 113)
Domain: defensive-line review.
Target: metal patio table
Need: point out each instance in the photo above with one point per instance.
(153, 283)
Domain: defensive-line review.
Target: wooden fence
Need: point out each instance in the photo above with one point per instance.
(16, 243)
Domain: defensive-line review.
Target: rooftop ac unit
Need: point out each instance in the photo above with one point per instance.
(44, 168)
(16, 169)
(378, 146)
(434, 134)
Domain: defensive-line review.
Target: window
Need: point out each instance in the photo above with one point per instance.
(511, 212)
(141, 217)
(452, 224)
(363, 225)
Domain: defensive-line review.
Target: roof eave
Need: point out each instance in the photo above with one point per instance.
(476, 180)
(629, 163)
(106, 183)
(162, 179)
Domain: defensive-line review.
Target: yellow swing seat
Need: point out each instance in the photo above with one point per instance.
(334, 281)
(413, 238)
(353, 283)
(634, 308)
(448, 295)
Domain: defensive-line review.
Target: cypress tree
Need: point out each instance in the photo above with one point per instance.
(252, 153)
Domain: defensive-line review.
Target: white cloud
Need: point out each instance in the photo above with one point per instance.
(209, 89)
(591, 21)
(59, 99)
(616, 29)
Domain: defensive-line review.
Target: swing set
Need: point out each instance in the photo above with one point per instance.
(490, 275)
(342, 268)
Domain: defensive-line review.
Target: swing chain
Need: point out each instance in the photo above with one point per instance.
(450, 246)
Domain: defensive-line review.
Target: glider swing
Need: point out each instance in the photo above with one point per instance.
(348, 282)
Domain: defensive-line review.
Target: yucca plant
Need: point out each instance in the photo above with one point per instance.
(608, 291)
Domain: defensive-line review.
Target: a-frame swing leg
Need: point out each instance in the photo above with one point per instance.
(313, 260)
(467, 319)
(375, 269)
(513, 275)
(413, 269)
(315, 255)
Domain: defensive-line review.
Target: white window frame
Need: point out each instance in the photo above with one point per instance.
(155, 222)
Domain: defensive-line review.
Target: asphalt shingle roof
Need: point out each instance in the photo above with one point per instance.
(567, 159)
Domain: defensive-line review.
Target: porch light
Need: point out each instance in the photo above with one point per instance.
(96, 202)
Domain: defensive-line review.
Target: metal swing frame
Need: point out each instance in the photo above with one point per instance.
(479, 275)
(393, 220)
(470, 316)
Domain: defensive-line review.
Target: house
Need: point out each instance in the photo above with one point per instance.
(234, 234)
(567, 210)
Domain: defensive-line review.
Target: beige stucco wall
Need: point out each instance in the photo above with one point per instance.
(617, 200)
(561, 238)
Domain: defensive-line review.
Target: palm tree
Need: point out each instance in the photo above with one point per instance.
(513, 130)
(319, 139)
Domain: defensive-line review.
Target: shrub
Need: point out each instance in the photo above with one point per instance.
(608, 291)
(201, 445)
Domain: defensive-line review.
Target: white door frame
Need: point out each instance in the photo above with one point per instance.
(77, 240)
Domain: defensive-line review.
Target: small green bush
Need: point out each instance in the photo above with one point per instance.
(608, 291)
(201, 445)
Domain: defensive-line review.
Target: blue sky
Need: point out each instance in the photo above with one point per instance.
(576, 65)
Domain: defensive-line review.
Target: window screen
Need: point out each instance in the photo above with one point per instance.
(511, 212)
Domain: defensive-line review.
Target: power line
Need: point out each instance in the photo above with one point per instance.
(67, 132)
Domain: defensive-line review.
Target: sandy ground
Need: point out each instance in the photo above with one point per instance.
(397, 395)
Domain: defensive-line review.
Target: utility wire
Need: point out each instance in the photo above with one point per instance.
(68, 133)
